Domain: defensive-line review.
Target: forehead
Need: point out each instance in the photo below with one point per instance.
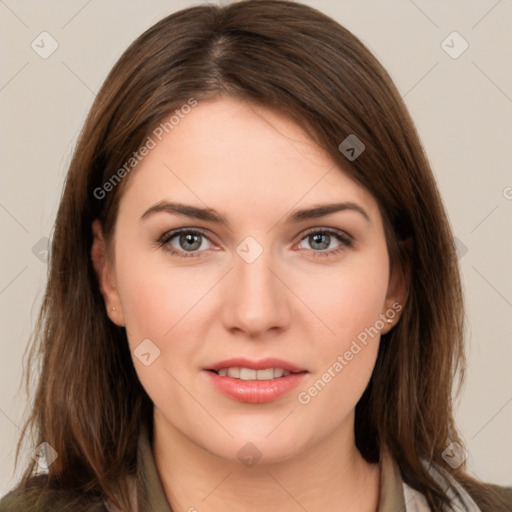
(227, 153)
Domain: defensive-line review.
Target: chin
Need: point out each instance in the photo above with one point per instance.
(250, 447)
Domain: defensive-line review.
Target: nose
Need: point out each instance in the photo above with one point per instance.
(256, 301)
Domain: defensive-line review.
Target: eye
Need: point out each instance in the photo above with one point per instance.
(326, 242)
(184, 241)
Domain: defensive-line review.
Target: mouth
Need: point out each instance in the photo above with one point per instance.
(255, 382)
(242, 373)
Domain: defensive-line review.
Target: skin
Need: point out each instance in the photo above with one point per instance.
(297, 301)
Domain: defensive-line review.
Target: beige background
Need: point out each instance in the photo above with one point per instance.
(462, 108)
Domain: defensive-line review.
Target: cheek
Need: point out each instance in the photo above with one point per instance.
(349, 300)
(155, 297)
(349, 304)
(158, 303)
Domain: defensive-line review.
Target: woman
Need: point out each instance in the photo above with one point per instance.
(253, 286)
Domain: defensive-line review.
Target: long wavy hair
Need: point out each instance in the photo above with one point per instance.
(89, 404)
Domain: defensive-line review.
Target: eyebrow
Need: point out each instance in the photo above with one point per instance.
(210, 215)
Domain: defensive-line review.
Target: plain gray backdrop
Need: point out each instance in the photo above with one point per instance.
(460, 99)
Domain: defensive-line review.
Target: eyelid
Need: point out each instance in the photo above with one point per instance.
(168, 235)
(342, 234)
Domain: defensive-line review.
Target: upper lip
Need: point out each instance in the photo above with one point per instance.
(262, 364)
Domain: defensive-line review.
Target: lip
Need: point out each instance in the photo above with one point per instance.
(255, 391)
(262, 364)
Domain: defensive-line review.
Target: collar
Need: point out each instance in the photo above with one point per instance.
(391, 498)
(394, 494)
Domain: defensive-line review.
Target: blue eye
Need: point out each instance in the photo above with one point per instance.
(179, 243)
(186, 243)
(321, 242)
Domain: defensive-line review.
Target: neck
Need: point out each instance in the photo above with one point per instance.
(329, 476)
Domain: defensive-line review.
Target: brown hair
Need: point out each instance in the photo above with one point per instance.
(89, 404)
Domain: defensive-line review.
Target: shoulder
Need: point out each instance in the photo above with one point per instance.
(36, 497)
(504, 493)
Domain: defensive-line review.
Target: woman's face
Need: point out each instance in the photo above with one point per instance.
(258, 272)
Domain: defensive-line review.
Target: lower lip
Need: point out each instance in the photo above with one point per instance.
(255, 391)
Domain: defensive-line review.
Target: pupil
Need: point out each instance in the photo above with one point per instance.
(191, 239)
(317, 239)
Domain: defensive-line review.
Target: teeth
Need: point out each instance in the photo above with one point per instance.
(265, 374)
(233, 372)
(247, 374)
(250, 374)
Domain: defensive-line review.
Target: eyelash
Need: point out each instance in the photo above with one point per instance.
(345, 239)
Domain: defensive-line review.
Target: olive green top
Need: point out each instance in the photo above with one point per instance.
(391, 493)
(150, 496)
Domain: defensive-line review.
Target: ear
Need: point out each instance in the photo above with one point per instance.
(106, 275)
(398, 291)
